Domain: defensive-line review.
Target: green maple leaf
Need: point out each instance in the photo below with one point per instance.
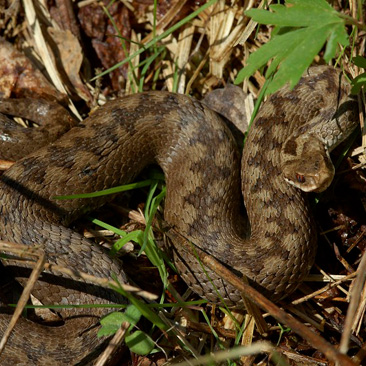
(302, 27)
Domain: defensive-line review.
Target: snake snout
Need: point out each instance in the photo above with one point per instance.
(311, 173)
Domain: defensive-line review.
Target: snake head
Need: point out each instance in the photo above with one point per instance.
(311, 169)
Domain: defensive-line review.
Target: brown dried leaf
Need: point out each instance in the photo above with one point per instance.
(142, 7)
(105, 40)
(19, 78)
(93, 21)
(63, 13)
(71, 57)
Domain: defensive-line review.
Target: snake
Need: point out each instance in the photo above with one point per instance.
(248, 210)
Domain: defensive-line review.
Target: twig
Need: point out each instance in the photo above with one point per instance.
(311, 337)
(355, 298)
(23, 251)
(232, 353)
(113, 344)
(324, 289)
(37, 270)
(5, 164)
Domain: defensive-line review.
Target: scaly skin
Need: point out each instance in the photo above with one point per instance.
(202, 169)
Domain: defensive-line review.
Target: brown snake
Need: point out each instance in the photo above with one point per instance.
(288, 140)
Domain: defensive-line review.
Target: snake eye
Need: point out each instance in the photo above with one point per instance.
(300, 178)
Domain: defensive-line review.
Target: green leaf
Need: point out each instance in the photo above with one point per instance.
(113, 321)
(110, 324)
(140, 343)
(302, 13)
(357, 83)
(301, 30)
(277, 48)
(107, 330)
(131, 315)
(142, 307)
(299, 58)
(337, 35)
(360, 61)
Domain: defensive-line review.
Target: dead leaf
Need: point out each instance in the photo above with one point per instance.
(19, 78)
(71, 56)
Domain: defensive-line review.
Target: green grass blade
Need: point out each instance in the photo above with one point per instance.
(104, 192)
(158, 38)
(108, 227)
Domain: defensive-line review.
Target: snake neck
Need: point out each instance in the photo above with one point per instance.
(281, 248)
(205, 203)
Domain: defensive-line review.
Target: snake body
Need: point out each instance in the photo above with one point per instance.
(202, 167)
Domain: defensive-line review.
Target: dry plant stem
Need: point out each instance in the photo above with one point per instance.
(325, 288)
(358, 318)
(254, 311)
(305, 318)
(361, 354)
(304, 360)
(355, 243)
(312, 338)
(104, 282)
(233, 353)
(252, 24)
(355, 298)
(361, 103)
(329, 277)
(204, 328)
(196, 73)
(168, 17)
(132, 81)
(176, 333)
(247, 338)
(37, 270)
(5, 164)
(24, 250)
(184, 45)
(341, 259)
(113, 344)
(44, 52)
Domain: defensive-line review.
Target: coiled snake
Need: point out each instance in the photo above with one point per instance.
(289, 140)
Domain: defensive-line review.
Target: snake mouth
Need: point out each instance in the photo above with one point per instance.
(313, 172)
(311, 183)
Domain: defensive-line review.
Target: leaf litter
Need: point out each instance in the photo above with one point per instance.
(59, 47)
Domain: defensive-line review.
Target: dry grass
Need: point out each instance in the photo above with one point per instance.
(202, 54)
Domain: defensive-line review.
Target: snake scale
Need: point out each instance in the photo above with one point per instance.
(288, 142)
